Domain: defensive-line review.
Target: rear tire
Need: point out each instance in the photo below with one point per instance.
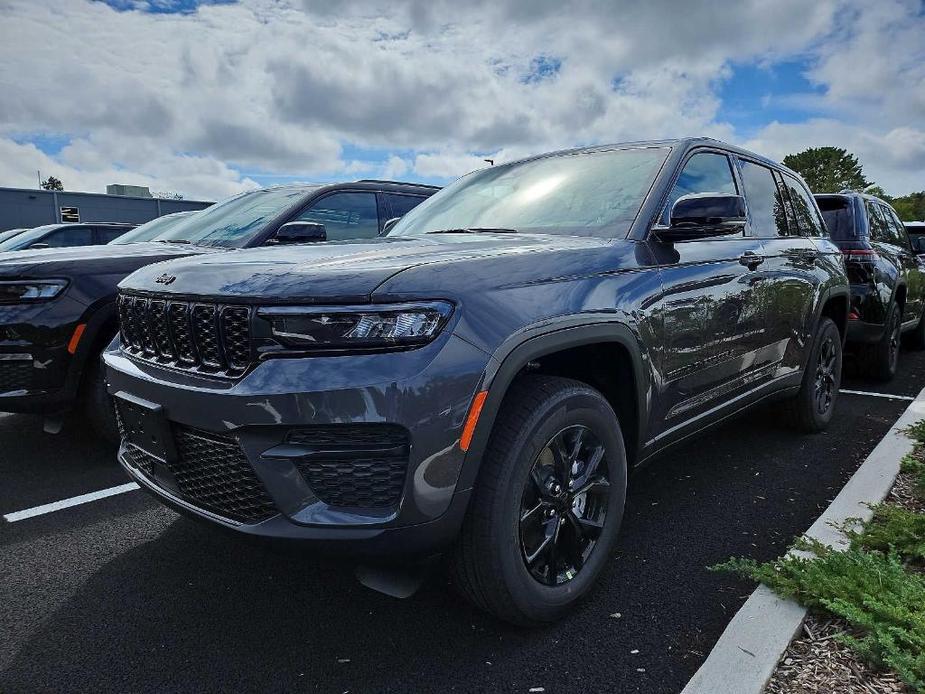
(528, 502)
(915, 339)
(96, 403)
(882, 358)
(811, 408)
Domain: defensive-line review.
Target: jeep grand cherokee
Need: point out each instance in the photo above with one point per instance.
(481, 381)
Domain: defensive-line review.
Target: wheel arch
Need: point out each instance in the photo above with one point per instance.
(513, 360)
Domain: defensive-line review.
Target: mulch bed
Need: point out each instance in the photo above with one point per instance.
(817, 661)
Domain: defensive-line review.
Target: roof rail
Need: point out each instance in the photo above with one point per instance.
(397, 183)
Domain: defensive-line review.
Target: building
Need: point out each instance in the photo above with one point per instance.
(23, 207)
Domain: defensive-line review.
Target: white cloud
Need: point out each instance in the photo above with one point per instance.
(311, 89)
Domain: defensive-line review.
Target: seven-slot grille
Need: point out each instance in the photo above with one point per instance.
(205, 337)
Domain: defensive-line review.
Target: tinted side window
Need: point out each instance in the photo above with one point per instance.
(67, 237)
(879, 231)
(897, 230)
(107, 234)
(403, 204)
(765, 204)
(345, 215)
(803, 207)
(706, 172)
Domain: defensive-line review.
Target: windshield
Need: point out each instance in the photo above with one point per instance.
(17, 241)
(10, 233)
(234, 222)
(151, 230)
(585, 194)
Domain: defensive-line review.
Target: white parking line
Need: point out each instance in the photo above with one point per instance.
(877, 395)
(67, 503)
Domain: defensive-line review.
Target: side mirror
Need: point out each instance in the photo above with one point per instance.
(388, 226)
(702, 215)
(300, 232)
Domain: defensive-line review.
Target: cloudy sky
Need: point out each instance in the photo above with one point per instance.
(209, 98)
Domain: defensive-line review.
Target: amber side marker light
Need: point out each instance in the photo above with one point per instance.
(75, 338)
(474, 411)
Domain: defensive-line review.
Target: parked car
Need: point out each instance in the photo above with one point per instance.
(481, 380)
(916, 231)
(58, 306)
(887, 280)
(65, 236)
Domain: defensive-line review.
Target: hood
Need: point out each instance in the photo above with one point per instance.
(89, 260)
(349, 271)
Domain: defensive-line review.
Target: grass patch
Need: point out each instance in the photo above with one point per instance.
(871, 591)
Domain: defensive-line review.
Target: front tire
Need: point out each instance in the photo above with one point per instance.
(811, 408)
(547, 505)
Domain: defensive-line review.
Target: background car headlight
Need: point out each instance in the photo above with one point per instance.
(372, 327)
(26, 291)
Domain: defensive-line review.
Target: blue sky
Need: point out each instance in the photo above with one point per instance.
(209, 98)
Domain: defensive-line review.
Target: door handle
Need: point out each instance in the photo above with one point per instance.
(751, 260)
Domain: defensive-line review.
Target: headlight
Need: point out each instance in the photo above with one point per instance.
(372, 327)
(25, 291)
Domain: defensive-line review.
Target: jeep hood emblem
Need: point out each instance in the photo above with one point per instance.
(164, 279)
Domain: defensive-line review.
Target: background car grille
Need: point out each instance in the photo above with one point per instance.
(210, 472)
(208, 338)
(15, 374)
(355, 465)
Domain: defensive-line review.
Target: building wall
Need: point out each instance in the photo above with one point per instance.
(31, 208)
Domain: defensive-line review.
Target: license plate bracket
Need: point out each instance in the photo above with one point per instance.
(146, 426)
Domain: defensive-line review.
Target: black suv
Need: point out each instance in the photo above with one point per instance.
(58, 306)
(887, 280)
(481, 380)
(65, 236)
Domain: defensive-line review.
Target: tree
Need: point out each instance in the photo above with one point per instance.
(52, 183)
(911, 208)
(828, 169)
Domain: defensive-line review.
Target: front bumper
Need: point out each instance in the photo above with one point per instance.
(244, 431)
(35, 365)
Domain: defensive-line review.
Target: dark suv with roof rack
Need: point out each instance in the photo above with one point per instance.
(65, 236)
(58, 305)
(887, 278)
(481, 380)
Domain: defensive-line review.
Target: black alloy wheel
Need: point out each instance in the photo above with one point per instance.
(826, 382)
(564, 506)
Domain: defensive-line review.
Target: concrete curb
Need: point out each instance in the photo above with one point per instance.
(747, 652)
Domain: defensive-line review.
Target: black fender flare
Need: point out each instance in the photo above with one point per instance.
(513, 355)
(96, 321)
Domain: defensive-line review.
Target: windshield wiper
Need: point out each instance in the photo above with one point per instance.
(475, 230)
(172, 241)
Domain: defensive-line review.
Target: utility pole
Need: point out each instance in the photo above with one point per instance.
(39, 174)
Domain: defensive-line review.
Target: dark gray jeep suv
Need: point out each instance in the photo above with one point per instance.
(480, 381)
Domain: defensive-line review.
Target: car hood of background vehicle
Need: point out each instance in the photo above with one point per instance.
(90, 260)
(352, 270)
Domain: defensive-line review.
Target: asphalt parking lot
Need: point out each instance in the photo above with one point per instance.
(123, 595)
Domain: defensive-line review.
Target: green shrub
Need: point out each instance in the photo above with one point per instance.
(914, 466)
(869, 590)
(893, 529)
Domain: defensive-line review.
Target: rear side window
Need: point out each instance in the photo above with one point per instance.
(880, 230)
(403, 204)
(895, 227)
(705, 172)
(839, 218)
(345, 215)
(803, 208)
(68, 237)
(107, 234)
(765, 204)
